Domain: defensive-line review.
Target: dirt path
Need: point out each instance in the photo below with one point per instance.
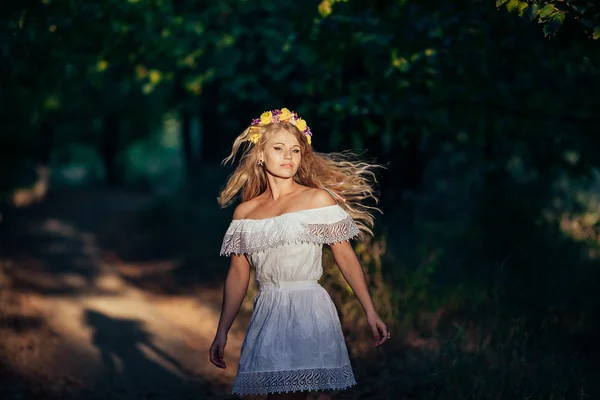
(72, 325)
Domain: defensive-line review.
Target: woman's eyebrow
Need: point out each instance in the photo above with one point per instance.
(285, 144)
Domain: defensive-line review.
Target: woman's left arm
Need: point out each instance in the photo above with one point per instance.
(353, 273)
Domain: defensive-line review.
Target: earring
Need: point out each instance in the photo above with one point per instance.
(261, 163)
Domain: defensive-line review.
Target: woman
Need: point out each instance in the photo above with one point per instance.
(294, 343)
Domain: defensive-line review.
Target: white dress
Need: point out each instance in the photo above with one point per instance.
(294, 340)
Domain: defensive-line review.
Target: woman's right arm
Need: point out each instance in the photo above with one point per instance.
(234, 292)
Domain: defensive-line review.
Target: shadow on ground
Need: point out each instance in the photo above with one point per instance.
(63, 253)
(125, 347)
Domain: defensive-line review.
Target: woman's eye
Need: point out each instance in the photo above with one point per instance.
(296, 151)
(277, 148)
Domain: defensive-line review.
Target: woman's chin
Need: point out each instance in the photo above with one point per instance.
(284, 173)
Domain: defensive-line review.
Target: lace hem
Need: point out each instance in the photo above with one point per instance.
(243, 242)
(294, 381)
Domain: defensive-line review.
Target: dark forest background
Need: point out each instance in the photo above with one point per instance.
(486, 259)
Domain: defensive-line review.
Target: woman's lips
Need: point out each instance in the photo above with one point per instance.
(286, 165)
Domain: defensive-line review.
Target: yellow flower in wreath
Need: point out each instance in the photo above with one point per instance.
(308, 138)
(301, 124)
(254, 138)
(285, 115)
(266, 117)
(253, 134)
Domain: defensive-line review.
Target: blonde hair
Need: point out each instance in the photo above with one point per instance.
(342, 173)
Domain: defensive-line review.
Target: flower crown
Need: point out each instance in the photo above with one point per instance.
(283, 115)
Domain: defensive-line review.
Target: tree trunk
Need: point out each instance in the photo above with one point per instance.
(210, 126)
(110, 137)
(186, 136)
(46, 141)
(412, 165)
(491, 174)
(406, 176)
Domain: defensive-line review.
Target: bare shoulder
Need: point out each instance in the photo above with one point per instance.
(243, 209)
(321, 198)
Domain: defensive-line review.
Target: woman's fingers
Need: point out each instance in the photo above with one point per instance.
(221, 357)
(211, 354)
(376, 334)
(221, 353)
(379, 332)
(216, 356)
(384, 333)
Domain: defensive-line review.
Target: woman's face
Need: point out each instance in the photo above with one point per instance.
(282, 154)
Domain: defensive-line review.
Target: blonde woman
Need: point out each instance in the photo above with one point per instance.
(294, 200)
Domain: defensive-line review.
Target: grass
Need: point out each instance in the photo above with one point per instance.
(461, 352)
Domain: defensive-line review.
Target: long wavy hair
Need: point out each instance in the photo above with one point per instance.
(350, 179)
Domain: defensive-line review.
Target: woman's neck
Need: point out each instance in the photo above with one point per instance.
(277, 188)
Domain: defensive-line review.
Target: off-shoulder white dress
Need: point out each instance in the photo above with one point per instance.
(294, 340)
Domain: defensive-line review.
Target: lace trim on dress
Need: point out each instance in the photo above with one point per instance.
(294, 381)
(245, 242)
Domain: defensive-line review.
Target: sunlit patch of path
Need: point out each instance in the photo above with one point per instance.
(131, 341)
(102, 335)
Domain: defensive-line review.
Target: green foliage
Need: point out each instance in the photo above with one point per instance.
(583, 15)
(415, 73)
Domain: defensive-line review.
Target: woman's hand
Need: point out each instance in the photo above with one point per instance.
(380, 332)
(217, 349)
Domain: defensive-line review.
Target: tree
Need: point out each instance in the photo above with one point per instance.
(578, 17)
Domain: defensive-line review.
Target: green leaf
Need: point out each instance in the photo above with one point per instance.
(588, 24)
(522, 7)
(546, 11)
(533, 11)
(52, 103)
(400, 63)
(596, 33)
(325, 8)
(514, 5)
(552, 27)
(500, 3)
